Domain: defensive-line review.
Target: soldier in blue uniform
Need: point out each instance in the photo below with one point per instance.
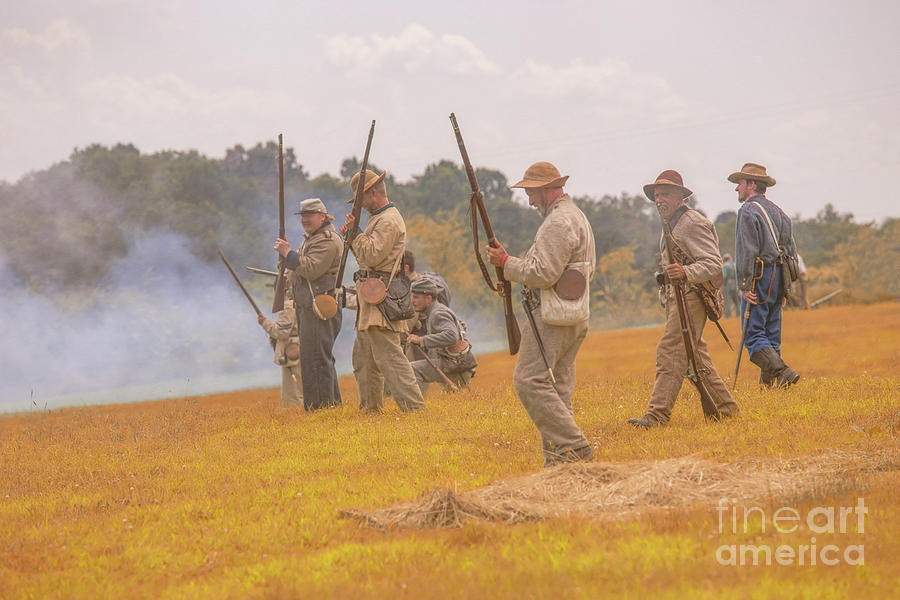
(763, 243)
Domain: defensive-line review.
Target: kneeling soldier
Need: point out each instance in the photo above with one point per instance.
(444, 340)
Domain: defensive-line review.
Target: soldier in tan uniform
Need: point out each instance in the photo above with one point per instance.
(564, 242)
(377, 352)
(696, 235)
(313, 268)
(285, 342)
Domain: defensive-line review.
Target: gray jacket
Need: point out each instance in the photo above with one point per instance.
(752, 238)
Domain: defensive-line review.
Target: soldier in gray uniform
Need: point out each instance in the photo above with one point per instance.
(314, 266)
(286, 344)
(443, 338)
(564, 243)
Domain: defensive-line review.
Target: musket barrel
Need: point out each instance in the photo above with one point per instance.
(356, 210)
(243, 289)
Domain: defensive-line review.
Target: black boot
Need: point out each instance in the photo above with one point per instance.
(782, 375)
(761, 360)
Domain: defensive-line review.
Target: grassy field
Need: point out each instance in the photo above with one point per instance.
(231, 496)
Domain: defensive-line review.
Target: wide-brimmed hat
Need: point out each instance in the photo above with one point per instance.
(541, 175)
(753, 172)
(670, 178)
(371, 179)
(424, 285)
(312, 206)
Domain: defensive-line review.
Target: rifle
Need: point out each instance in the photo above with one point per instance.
(476, 208)
(356, 210)
(446, 379)
(526, 304)
(243, 289)
(737, 364)
(278, 302)
(825, 298)
(709, 406)
(262, 271)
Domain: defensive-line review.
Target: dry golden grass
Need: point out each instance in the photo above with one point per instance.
(230, 496)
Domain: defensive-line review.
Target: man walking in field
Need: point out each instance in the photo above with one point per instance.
(377, 353)
(314, 266)
(556, 271)
(699, 266)
(763, 245)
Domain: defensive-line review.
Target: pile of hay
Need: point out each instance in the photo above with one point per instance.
(623, 489)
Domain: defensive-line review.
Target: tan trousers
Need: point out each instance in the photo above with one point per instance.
(378, 359)
(671, 362)
(291, 391)
(550, 404)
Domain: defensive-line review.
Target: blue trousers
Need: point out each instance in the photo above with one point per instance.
(764, 325)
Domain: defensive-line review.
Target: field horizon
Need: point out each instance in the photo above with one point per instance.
(229, 495)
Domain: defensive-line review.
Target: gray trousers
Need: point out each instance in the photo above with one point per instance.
(550, 404)
(671, 363)
(291, 394)
(320, 380)
(426, 374)
(378, 359)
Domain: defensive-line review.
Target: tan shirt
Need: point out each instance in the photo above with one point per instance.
(378, 248)
(697, 236)
(565, 237)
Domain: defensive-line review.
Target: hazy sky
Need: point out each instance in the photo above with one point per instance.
(612, 92)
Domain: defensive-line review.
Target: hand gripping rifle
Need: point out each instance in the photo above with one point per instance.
(706, 401)
(476, 208)
(355, 211)
(243, 289)
(278, 302)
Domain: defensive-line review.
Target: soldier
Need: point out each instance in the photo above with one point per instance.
(763, 238)
(377, 353)
(314, 266)
(729, 286)
(286, 344)
(798, 297)
(564, 243)
(443, 337)
(696, 236)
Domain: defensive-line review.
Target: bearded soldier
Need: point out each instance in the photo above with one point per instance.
(314, 267)
(377, 352)
(700, 265)
(763, 248)
(443, 337)
(563, 251)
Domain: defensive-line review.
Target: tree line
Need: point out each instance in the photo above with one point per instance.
(62, 229)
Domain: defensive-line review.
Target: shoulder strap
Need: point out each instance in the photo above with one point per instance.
(769, 222)
(394, 270)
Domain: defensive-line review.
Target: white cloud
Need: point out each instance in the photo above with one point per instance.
(60, 33)
(414, 50)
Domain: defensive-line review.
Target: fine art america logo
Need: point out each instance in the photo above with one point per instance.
(820, 520)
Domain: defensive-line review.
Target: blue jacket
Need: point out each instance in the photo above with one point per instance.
(752, 238)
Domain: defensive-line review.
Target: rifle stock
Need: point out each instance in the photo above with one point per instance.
(278, 302)
(356, 210)
(243, 289)
(706, 402)
(477, 208)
